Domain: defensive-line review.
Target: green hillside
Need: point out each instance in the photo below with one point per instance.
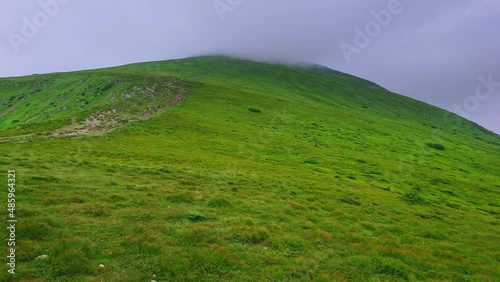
(219, 169)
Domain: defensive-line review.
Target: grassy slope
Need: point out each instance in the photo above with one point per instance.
(332, 181)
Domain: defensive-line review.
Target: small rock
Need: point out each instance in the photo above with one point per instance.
(265, 248)
(42, 257)
(154, 275)
(101, 265)
(153, 280)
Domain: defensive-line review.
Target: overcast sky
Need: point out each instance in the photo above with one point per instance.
(446, 52)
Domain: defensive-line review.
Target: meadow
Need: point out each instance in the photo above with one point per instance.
(259, 172)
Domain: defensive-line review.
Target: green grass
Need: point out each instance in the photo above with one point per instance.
(332, 179)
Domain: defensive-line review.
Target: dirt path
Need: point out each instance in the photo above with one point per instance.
(97, 124)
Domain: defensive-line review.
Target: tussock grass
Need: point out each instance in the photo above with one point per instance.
(316, 188)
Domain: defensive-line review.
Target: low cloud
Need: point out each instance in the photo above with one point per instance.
(432, 51)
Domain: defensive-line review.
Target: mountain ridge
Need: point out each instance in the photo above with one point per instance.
(151, 65)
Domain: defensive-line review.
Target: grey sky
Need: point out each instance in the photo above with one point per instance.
(434, 51)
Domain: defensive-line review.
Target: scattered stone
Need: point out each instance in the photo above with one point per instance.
(42, 257)
(101, 265)
(265, 248)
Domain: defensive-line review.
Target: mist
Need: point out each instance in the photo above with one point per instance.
(437, 52)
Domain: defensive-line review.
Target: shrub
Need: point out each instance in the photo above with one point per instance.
(106, 87)
(166, 170)
(413, 196)
(254, 110)
(350, 201)
(436, 146)
(390, 267)
(195, 216)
